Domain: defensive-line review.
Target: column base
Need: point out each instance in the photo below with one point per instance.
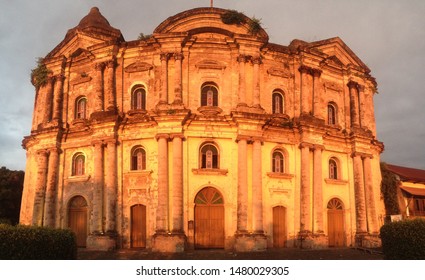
(100, 242)
(249, 242)
(309, 240)
(368, 240)
(169, 242)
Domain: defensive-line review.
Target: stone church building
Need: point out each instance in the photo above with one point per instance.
(203, 135)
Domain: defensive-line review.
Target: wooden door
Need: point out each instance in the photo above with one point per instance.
(77, 219)
(279, 226)
(138, 226)
(209, 219)
(336, 232)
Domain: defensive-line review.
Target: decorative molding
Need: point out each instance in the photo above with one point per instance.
(204, 171)
(210, 65)
(336, 181)
(279, 72)
(138, 67)
(280, 175)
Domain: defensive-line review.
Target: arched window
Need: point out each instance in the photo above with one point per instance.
(138, 159)
(81, 108)
(209, 95)
(333, 169)
(78, 164)
(278, 162)
(278, 103)
(138, 98)
(332, 119)
(209, 157)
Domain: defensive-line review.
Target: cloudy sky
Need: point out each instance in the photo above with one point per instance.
(387, 35)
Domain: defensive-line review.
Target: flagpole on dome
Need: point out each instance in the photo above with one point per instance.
(212, 3)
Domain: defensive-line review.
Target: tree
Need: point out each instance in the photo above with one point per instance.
(389, 191)
(11, 186)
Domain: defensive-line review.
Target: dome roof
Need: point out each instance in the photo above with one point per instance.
(96, 24)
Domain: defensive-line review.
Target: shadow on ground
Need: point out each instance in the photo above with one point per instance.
(270, 254)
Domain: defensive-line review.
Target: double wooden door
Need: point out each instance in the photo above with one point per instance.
(209, 219)
(138, 226)
(279, 226)
(77, 219)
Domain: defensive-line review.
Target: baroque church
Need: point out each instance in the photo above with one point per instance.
(203, 135)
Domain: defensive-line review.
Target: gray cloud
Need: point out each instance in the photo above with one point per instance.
(389, 36)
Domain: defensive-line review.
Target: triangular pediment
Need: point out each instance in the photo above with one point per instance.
(338, 53)
(70, 46)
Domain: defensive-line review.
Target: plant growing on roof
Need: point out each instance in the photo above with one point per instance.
(233, 17)
(254, 26)
(40, 74)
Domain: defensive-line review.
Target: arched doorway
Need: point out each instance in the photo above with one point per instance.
(138, 226)
(77, 219)
(336, 233)
(279, 227)
(209, 219)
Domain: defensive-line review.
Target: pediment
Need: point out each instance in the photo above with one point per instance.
(210, 64)
(72, 46)
(338, 53)
(138, 67)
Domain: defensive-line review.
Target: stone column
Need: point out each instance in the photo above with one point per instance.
(370, 198)
(163, 95)
(111, 186)
(177, 183)
(178, 57)
(40, 187)
(305, 215)
(256, 77)
(317, 94)
(162, 210)
(48, 100)
(361, 222)
(362, 106)
(305, 90)
(354, 103)
(51, 188)
(98, 88)
(97, 217)
(317, 189)
(110, 101)
(242, 187)
(58, 95)
(242, 81)
(257, 187)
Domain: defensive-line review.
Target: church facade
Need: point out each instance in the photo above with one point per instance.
(203, 135)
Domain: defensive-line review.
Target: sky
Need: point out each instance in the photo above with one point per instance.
(387, 35)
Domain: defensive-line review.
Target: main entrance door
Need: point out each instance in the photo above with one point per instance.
(77, 219)
(279, 226)
(209, 219)
(336, 223)
(138, 226)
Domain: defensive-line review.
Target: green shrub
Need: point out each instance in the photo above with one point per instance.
(36, 243)
(404, 240)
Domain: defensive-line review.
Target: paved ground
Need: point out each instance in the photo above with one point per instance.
(271, 254)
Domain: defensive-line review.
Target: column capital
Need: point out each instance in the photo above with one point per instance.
(97, 143)
(177, 135)
(318, 147)
(256, 60)
(243, 137)
(362, 155)
(165, 136)
(111, 63)
(178, 56)
(242, 58)
(111, 142)
(316, 73)
(257, 139)
(306, 145)
(352, 84)
(44, 152)
(99, 66)
(305, 69)
(59, 77)
(164, 56)
(54, 150)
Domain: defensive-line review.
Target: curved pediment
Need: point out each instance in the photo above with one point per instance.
(138, 67)
(212, 20)
(210, 65)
